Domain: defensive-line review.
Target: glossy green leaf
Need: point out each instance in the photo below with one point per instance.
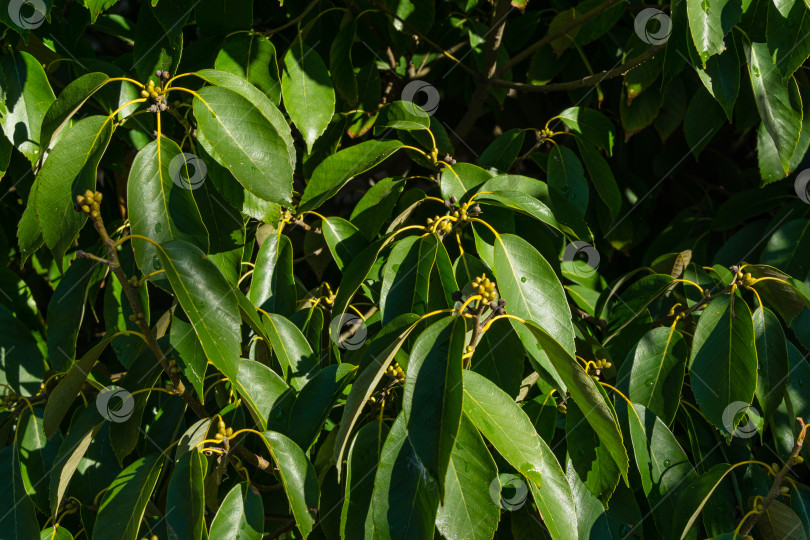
(788, 248)
(722, 77)
(28, 95)
(568, 189)
(240, 516)
(601, 177)
(36, 454)
(315, 401)
(68, 103)
(208, 300)
(185, 512)
(406, 277)
(188, 352)
(247, 142)
(469, 510)
(708, 24)
(431, 401)
(18, 520)
(69, 170)
(340, 62)
(161, 205)
(344, 240)
(723, 364)
(252, 57)
(593, 126)
(772, 360)
(590, 458)
(335, 171)
(307, 89)
(403, 115)
(124, 502)
(523, 203)
(272, 286)
(663, 465)
(22, 362)
(787, 29)
(779, 105)
(362, 461)
(531, 289)
(375, 208)
(511, 432)
(499, 356)
(405, 497)
(654, 372)
(292, 350)
(461, 178)
(298, 478)
(502, 152)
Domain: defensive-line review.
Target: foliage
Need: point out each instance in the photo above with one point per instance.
(334, 270)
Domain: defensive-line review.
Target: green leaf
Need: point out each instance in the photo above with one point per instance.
(68, 103)
(308, 93)
(722, 78)
(188, 351)
(272, 287)
(375, 208)
(28, 95)
(405, 497)
(531, 288)
(779, 105)
(602, 178)
(502, 152)
(654, 372)
(240, 516)
(800, 504)
(709, 20)
(362, 462)
(340, 62)
(150, 54)
(66, 310)
(785, 298)
(85, 426)
(208, 300)
(788, 248)
(55, 533)
(292, 350)
(594, 127)
(335, 171)
(787, 29)
(246, 141)
(704, 118)
(723, 365)
(499, 356)
(124, 502)
(252, 57)
(315, 401)
(431, 400)
(19, 519)
(298, 478)
(161, 206)
(406, 277)
(97, 7)
(403, 115)
(36, 455)
(185, 507)
(664, 467)
(22, 364)
(512, 434)
(523, 203)
(345, 240)
(567, 187)
(224, 17)
(469, 510)
(589, 398)
(772, 360)
(590, 458)
(263, 390)
(461, 178)
(70, 170)
(780, 522)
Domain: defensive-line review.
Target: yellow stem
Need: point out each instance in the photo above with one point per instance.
(114, 79)
(493, 319)
(466, 302)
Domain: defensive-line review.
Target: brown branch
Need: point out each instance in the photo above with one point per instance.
(590, 80)
(479, 96)
(778, 478)
(585, 17)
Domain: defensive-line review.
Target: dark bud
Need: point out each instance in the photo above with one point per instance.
(77, 207)
(453, 200)
(449, 159)
(159, 73)
(457, 296)
(493, 305)
(476, 209)
(448, 203)
(501, 311)
(501, 302)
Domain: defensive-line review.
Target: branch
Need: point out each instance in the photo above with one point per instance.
(778, 479)
(515, 60)
(494, 38)
(291, 21)
(590, 80)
